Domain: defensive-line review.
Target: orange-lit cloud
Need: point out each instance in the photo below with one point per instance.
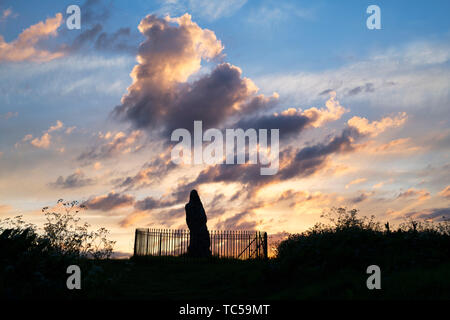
(356, 181)
(132, 219)
(112, 144)
(7, 13)
(25, 46)
(381, 184)
(445, 192)
(413, 193)
(56, 127)
(109, 201)
(168, 63)
(8, 115)
(332, 112)
(299, 197)
(42, 142)
(97, 165)
(161, 99)
(396, 146)
(374, 128)
(45, 140)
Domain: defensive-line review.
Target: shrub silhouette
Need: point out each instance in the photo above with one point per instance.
(70, 237)
(351, 242)
(33, 264)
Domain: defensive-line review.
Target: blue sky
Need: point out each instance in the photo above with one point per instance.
(298, 35)
(392, 83)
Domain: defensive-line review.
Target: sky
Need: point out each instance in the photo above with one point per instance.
(87, 114)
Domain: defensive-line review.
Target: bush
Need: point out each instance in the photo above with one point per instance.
(350, 242)
(70, 237)
(34, 264)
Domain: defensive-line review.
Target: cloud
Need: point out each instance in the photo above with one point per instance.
(301, 198)
(436, 214)
(214, 9)
(361, 197)
(94, 37)
(163, 217)
(56, 127)
(98, 165)
(374, 128)
(413, 193)
(95, 11)
(280, 12)
(8, 115)
(29, 47)
(150, 173)
(6, 14)
(70, 130)
(445, 192)
(166, 94)
(42, 142)
(73, 181)
(25, 48)
(207, 9)
(294, 163)
(310, 159)
(27, 137)
(45, 140)
(382, 183)
(170, 90)
(109, 201)
(368, 87)
(87, 36)
(239, 221)
(356, 181)
(112, 144)
(412, 75)
(132, 218)
(151, 203)
(94, 15)
(116, 41)
(292, 121)
(396, 146)
(161, 98)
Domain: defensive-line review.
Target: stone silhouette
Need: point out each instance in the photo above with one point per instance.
(196, 221)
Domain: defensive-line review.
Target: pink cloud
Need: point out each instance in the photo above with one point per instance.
(24, 48)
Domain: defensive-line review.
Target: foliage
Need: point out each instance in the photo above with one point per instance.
(70, 237)
(353, 242)
(34, 263)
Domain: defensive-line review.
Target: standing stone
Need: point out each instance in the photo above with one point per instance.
(196, 221)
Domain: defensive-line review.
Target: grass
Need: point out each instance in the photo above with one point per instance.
(160, 279)
(323, 263)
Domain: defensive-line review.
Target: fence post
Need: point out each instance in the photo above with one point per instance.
(265, 245)
(146, 241)
(160, 241)
(135, 242)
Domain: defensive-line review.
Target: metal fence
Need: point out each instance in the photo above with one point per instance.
(224, 244)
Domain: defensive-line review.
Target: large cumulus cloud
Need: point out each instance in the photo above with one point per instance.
(168, 93)
(170, 90)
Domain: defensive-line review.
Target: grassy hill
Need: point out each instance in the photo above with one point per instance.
(325, 262)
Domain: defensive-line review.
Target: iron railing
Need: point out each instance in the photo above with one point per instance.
(224, 244)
